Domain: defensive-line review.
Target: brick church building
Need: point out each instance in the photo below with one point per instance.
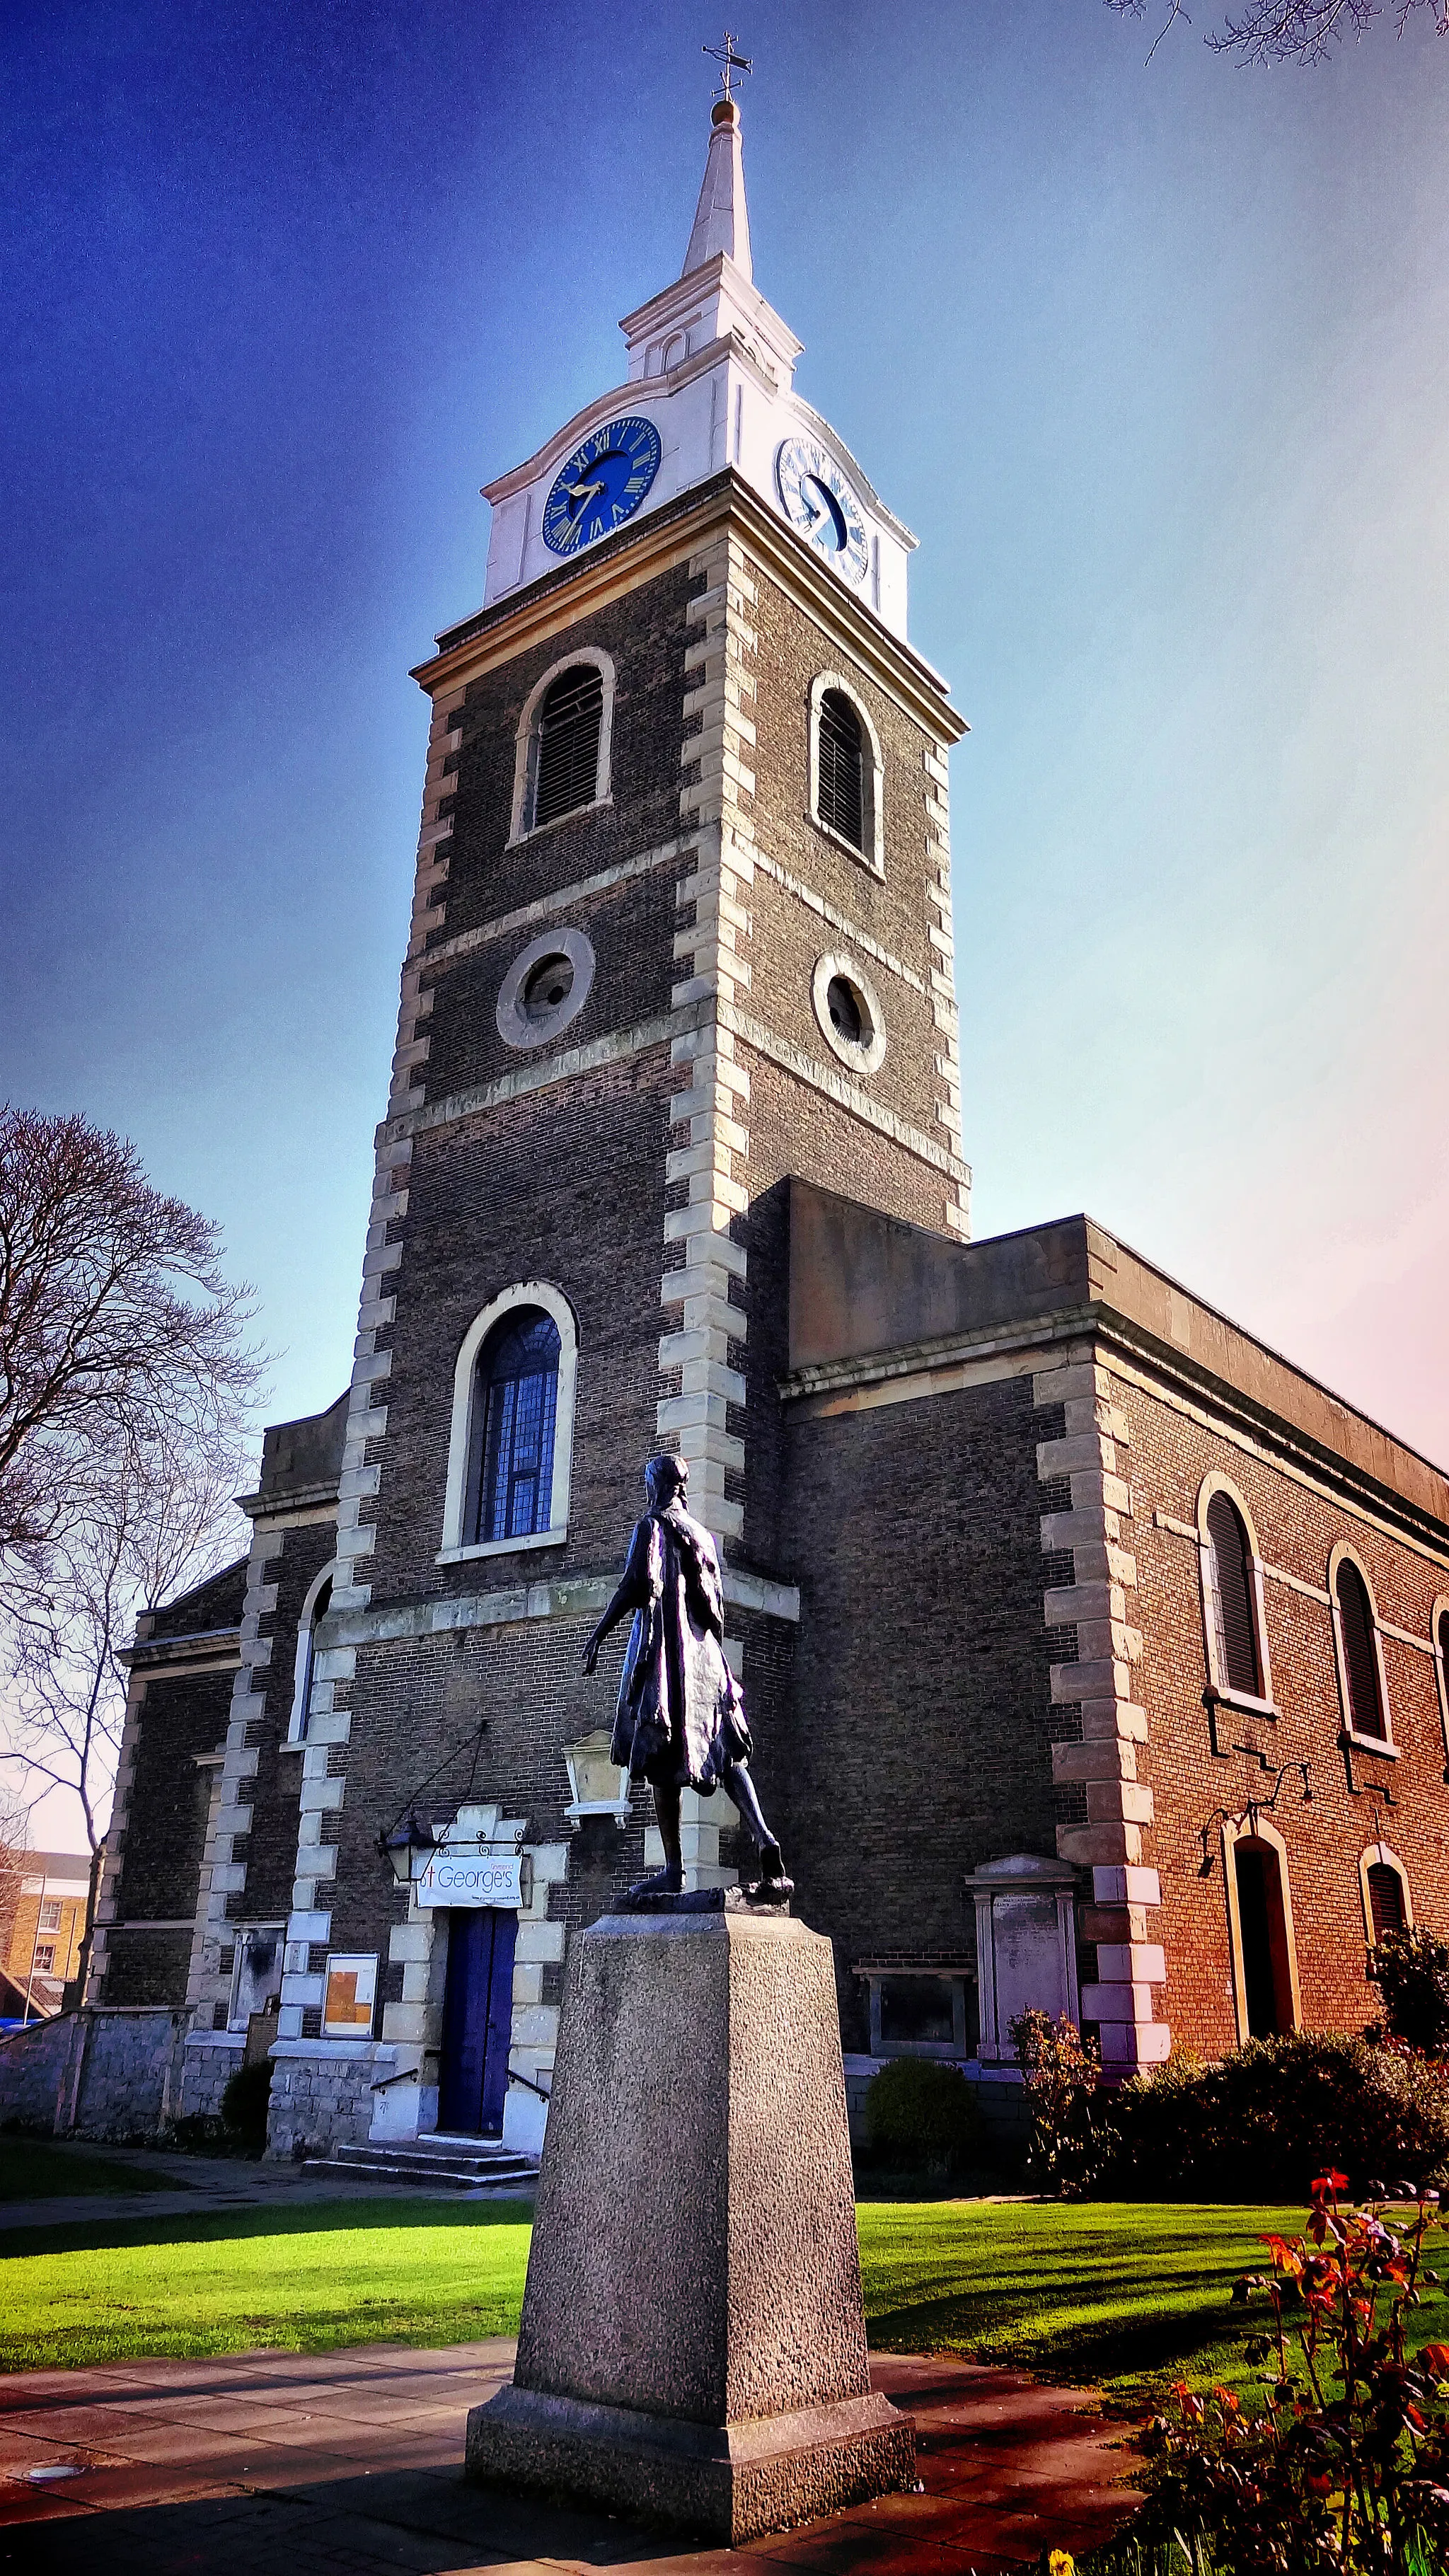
(1094, 1654)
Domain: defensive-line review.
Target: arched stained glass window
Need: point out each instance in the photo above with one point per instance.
(840, 800)
(515, 1402)
(566, 772)
(1233, 1601)
(1366, 1711)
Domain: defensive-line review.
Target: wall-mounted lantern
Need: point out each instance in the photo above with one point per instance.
(399, 1846)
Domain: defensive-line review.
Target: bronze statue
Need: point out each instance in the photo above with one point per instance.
(680, 1722)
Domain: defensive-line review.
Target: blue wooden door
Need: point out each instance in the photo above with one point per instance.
(477, 2015)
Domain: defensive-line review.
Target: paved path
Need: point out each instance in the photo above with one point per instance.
(178, 2186)
(280, 2464)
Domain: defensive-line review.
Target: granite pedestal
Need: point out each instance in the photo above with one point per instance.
(692, 2349)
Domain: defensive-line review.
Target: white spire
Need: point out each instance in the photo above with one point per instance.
(721, 221)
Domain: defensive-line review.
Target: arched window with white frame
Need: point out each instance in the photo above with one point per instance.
(305, 1686)
(563, 757)
(1358, 1653)
(846, 770)
(1235, 1624)
(1384, 1887)
(510, 1450)
(1262, 1953)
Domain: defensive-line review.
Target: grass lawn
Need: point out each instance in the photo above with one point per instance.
(35, 2169)
(1125, 2296)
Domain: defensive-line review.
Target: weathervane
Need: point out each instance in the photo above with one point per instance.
(728, 60)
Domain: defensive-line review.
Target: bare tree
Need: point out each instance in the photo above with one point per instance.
(1290, 31)
(159, 1518)
(14, 1843)
(118, 1333)
(126, 1388)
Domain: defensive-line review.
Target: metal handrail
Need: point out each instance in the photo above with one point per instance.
(404, 2074)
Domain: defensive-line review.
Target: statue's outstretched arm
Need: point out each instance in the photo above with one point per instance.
(632, 1594)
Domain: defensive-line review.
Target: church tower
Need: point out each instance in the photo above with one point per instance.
(681, 929)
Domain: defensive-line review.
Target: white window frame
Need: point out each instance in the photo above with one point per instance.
(525, 756)
(1367, 1860)
(304, 1658)
(525, 1292)
(872, 776)
(1383, 1745)
(1266, 1706)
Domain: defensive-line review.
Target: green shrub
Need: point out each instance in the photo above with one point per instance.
(1263, 2121)
(1071, 2137)
(919, 2113)
(244, 2102)
(201, 2133)
(1413, 1974)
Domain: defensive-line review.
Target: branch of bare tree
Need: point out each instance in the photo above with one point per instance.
(160, 1518)
(126, 1399)
(117, 1327)
(1291, 31)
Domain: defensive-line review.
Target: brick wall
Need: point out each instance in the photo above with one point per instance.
(1357, 1800)
(519, 1194)
(155, 1851)
(27, 1936)
(269, 1849)
(644, 635)
(917, 1743)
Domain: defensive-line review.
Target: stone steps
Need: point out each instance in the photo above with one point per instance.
(438, 2163)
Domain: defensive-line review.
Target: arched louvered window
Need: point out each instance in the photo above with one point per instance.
(1233, 1599)
(840, 792)
(515, 1404)
(566, 759)
(1367, 1715)
(1386, 1899)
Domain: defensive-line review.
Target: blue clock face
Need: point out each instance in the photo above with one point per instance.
(601, 485)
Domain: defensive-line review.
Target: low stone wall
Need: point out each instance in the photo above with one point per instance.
(999, 2098)
(113, 2075)
(32, 2063)
(126, 2084)
(209, 2060)
(322, 2094)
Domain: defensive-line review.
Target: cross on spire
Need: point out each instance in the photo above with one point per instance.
(728, 60)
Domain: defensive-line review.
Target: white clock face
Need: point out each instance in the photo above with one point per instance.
(817, 500)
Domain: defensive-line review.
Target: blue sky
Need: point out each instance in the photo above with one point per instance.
(1153, 361)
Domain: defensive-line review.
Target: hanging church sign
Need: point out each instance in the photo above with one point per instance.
(461, 1874)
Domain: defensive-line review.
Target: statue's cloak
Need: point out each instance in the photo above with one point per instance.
(681, 1718)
